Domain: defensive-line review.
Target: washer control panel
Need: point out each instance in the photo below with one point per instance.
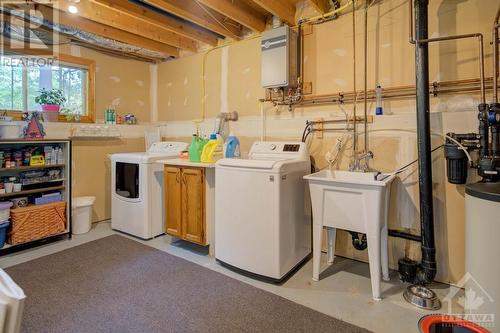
(287, 150)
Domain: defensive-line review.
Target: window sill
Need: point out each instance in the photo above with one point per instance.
(17, 116)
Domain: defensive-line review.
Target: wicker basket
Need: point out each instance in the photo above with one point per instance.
(35, 222)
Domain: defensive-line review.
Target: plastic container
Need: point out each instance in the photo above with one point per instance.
(232, 147)
(5, 210)
(212, 151)
(4, 226)
(196, 148)
(82, 214)
(378, 94)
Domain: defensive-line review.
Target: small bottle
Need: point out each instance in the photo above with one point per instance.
(378, 94)
(60, 156)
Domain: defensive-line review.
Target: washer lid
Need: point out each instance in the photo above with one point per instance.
(486, 191)
(248, 163)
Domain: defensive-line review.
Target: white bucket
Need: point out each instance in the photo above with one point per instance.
(82, 214)
(10, 130)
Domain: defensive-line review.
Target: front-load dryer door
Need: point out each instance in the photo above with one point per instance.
(127, 181)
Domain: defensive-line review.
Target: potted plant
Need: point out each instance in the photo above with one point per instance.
(51, 101)
(70, 114)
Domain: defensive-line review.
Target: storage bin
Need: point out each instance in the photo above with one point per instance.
(35, 222)
(5, 210)
(45, 199)
(4, 226)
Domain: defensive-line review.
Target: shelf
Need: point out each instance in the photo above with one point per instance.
(7, 248)
(34, 167)
(27, 192)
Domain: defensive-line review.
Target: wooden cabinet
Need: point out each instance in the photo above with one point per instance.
(185, 203)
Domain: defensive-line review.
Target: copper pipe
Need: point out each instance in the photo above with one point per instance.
(479, 36)
(411, 39)
(365, 92)
(354, 123)
(495, 56)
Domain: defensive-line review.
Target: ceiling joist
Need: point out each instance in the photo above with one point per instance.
(283, 9)
(161, 21)
(239, 12)
(322, 6)
(195, 12)
(104, 15)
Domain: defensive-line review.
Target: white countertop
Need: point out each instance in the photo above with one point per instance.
(183, 162)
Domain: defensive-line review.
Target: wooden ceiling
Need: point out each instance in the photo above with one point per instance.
(171, 27)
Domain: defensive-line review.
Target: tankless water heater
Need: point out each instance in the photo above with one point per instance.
(279, 58)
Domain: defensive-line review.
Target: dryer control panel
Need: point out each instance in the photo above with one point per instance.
(167, 147)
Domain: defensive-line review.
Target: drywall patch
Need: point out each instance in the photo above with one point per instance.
(140, 103)
(186, 81)
(116, 101)
(115, 79)
(140, 83)
(340, 82)
(169, 103)
(340, 52)
(246, 71)
(386, 45)
(169, 85)
(185, 101)
(248, 95)
(224, 78)
(75, 50)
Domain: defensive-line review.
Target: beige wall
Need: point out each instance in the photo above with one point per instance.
(122, 82)
(328, 65)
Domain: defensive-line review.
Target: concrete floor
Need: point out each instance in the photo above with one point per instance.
(344, 291)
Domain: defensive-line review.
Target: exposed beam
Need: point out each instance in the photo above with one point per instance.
(110, 32)
(240, 12)
(195, 12)
(280, 8)
(104, 15)
(323, 6)
(162, 21)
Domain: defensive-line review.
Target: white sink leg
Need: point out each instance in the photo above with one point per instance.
(374, 263)
(317, 233)
(384, 255)
(331, 234)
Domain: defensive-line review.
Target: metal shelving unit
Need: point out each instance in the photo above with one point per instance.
(64, 188)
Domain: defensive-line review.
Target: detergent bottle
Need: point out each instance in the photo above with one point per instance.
(196, 148)
(212, 151)
(232, 147)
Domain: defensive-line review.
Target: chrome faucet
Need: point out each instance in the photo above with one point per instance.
(356, 164)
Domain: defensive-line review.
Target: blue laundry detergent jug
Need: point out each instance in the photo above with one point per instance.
(232, 147)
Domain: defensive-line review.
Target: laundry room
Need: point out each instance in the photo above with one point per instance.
(249, 165)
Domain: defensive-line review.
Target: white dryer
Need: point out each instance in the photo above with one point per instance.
(136, 189)
(262, 210)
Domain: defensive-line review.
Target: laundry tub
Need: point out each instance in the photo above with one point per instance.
(82, 214)
(353, 201)
(11, 304)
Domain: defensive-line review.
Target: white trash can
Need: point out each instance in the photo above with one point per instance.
(11, 304)
(82, 214)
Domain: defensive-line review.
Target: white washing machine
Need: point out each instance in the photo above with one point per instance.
(262, 210)
(136, 189)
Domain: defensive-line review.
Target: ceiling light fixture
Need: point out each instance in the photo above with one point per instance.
(72, 9)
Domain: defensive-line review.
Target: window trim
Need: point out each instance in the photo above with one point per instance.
(90, 65)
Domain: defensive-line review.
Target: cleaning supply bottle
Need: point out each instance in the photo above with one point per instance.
(195, 149)
(378, 94)
(212, 151)
(232, 147)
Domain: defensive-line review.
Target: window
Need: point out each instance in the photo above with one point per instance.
(21, 79)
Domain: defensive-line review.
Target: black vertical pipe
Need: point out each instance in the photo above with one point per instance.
(424, 143)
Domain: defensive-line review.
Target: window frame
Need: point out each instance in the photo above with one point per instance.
(90, 66)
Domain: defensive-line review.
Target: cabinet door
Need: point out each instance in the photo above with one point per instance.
(173, 206)
(193, 205)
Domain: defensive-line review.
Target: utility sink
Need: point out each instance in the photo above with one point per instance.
(353, 201)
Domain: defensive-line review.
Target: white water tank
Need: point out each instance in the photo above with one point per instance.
(82, 214)
(482, 251)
